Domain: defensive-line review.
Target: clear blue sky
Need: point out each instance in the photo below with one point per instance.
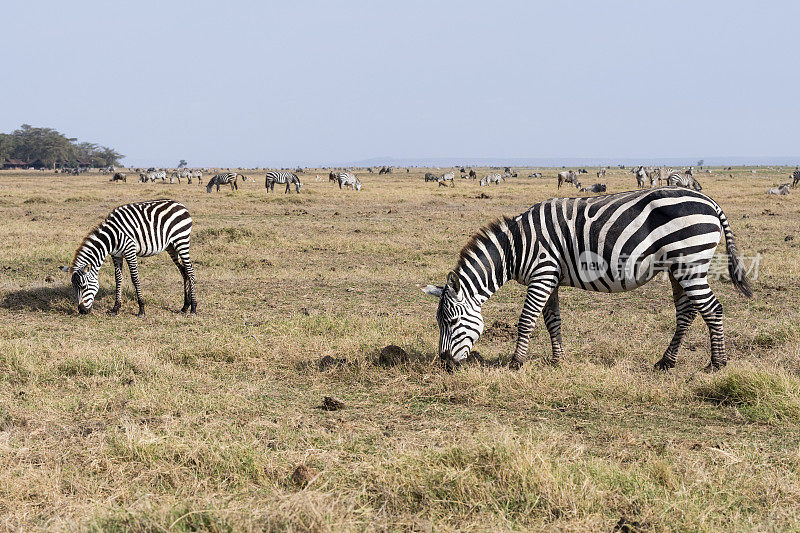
(296, 82)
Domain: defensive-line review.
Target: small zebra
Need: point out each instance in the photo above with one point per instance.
(333, 177)
(641, 177)
(491, 178)
(450, 176)
(655, 176)
(279, 176)
(225, 178)
(684, 180)
(610, 243)
(198, 175)
(134, 230)
(783, 190)
(347, 179)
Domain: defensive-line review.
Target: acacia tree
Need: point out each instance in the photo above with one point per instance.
(47, 145)
(182, 163)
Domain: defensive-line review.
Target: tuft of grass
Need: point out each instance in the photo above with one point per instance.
(759, 395)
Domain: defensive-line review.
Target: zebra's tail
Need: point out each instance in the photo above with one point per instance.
(736, 268)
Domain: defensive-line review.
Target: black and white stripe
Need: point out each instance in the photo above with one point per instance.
(346, 179)
(279, 176)
(610, 243)
(795, 178)
(225, 178)
(687, 180)
(134, 230)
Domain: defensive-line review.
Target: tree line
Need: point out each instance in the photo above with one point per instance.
(50, 148)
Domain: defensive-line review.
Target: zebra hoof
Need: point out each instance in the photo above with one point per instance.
(712, 367)
(663, 365)
(140, 313)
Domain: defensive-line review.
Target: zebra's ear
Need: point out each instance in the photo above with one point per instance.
(453, 282)
(433, 290)
(63, 268)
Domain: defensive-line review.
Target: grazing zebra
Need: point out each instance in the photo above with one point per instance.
(783, 190)
(347, 179)
(450, 176)
(279, 176)
(119, 176)
(795, 178)
(596, 188)
(684, 180)
(225, 178)
(491, 178)
(430, 176)
(139, 229)
(610, 243)
(198, 175)
(568, 176)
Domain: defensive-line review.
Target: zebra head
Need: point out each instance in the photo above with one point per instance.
(85, 286)
(459, 318)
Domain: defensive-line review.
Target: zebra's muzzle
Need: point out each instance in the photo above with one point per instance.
(82, 309)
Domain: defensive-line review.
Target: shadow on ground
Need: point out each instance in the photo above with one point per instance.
(59, 299)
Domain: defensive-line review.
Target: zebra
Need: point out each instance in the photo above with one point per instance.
(568, 176)
(198, 175)
(601, 173)
(138, 229)
(430, 176)
(278, 176)
(610, 243)
(655, 176)
(450, 176)
(347, 179)
(641, 177)
(684, 180)
(119, 176)
(491, 178)
(225, 178)
(782, 190)
(795, 178)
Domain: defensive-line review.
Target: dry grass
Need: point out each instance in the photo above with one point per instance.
(197, 423)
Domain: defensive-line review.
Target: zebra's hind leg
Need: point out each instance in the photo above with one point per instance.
(177, 260)
(710, 309)
(133, 266)
(552, 319)
(539, 291)
(684, 315)
(118, 279)
(182, 248)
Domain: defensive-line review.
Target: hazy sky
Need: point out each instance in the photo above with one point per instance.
(295, 82)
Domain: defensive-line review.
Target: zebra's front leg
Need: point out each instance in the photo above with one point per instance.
(118, 279)
(684, 315)
(133, 266)
(539, 291)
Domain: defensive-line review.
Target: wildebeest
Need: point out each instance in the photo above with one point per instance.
(472, 173)
(535, 175)
(568, 176)
(596, 188)
(783, 190)
(430, 176)
(119, 176)
(601, 173)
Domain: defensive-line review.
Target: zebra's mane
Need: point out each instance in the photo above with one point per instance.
(482, 237)
(80, 247)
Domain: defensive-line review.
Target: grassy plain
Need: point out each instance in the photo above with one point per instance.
(178, 423)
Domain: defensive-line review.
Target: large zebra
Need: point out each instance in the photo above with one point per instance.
(684, 180)
(610, 243)
(279, 176)
(347, 179)
(139, 229)
(225, 178)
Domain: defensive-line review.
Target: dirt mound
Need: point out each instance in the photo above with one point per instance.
(329, 403)
(303, 475)
(393, 355)
(331, 362)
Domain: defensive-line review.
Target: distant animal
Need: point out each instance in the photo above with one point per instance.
(582, 171)
(450, 176)
(655, 176)
(601, 173)
(684, 180)
(473, 174)
(332, 177)
(507, 170)
(119, 176)
(596, 188)
(430, 176)
(346, 179)
(198, 175)
(644, 232)
(795, 178)
(783, 190)
(568, 176)
(224, 178)
(491, 178)
(641, 177)
(535, 175)
(134, 230)
(280, 176)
